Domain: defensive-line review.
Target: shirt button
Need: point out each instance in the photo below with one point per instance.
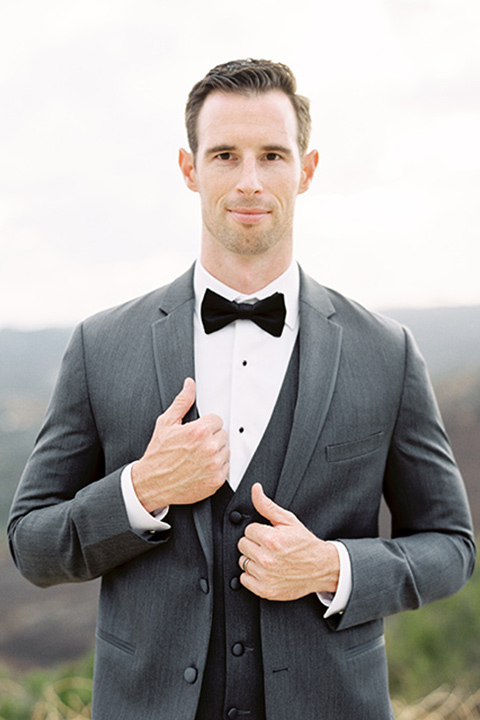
(244, 363)
(241, 429)
(235, 583)
(236, 517)
(238, 649)
(204, 585)
(190, 675)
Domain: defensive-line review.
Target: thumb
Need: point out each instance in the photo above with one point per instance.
(269, 509)
(181, 405)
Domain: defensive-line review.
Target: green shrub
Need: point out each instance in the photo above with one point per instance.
(436, 645)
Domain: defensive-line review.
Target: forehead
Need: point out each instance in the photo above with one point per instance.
(232, 117)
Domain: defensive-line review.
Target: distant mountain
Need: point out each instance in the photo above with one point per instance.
(29, 360)
(449, 338)
(29, 363)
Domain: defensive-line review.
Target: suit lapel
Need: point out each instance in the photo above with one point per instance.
(173, 339)
(320, 345)
(173, 347)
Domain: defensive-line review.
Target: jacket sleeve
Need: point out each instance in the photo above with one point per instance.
(68, 520)
(431, 553)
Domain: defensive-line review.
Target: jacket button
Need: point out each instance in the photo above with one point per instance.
(235, 583)
(204, 585)
(236, 517)
(190, 675)
(232, 714)
(238, 649)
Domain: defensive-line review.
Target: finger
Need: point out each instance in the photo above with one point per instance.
(213, 423)
(247, 547)
(247, 565)
(224, 454)
(258, 533)
(181, 405)
(223, 471)
(269, 509)
(221, 438)
(251, 583)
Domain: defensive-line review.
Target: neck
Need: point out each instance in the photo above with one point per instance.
(246, 273)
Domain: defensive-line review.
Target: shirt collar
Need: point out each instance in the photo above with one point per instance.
(288, 283)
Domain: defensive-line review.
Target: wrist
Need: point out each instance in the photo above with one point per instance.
(327, 566)
(145, 489)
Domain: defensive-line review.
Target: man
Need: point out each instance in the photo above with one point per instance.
(234, 518)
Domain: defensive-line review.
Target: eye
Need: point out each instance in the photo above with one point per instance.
(224, 156)
(272, 156)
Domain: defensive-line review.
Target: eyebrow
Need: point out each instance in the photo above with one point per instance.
(280, 149)
(219, 149)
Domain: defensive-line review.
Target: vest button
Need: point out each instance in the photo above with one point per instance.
(235, 583)
(236, 517)
(233, 714)
(204, 585)
(190, 675)
(238, 649)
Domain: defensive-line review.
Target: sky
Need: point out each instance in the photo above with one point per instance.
(93, 208)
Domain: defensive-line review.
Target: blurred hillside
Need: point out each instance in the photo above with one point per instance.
(29, 363)
(41, 627)
(449, 338)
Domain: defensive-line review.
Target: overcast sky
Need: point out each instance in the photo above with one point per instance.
(93, 209)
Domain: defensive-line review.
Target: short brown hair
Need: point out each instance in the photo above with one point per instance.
(245, 77)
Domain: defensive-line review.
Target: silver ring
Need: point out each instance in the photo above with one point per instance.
(244, 564)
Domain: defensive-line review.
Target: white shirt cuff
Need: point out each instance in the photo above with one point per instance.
(337, 602)
(141, 521)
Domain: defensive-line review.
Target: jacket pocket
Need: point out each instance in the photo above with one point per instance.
(115, 641)
(366, 647)
(354, 449)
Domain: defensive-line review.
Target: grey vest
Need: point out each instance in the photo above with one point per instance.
(233, 681)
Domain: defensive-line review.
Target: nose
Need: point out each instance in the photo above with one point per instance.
(249, 181)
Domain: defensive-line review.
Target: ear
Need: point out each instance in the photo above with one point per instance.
(187, 166)
(310, 162)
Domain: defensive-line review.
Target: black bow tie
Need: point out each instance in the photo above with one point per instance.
(268, 314)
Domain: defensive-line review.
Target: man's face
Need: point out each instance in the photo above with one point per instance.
(248, 172)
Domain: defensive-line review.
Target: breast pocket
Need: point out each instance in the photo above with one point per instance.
(353, 449)
(358, 652)
(115, 641)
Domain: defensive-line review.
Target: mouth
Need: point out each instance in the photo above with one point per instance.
(250, 216)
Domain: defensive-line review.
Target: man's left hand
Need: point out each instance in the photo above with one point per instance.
(285, 560)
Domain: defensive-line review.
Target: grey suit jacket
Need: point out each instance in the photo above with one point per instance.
(365, 423)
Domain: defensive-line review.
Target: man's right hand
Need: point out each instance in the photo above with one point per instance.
(182, 463)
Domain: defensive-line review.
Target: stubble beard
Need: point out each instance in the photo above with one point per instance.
(248, 244)
(248, 241)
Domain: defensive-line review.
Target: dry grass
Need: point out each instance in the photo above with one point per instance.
(442, 704)
(69, 699)
(65, 699)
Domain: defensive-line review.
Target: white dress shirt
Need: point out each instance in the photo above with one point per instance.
(239, 371)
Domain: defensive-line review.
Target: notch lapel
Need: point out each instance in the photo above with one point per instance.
(320, 346)
(173, 339)
(173, 347)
